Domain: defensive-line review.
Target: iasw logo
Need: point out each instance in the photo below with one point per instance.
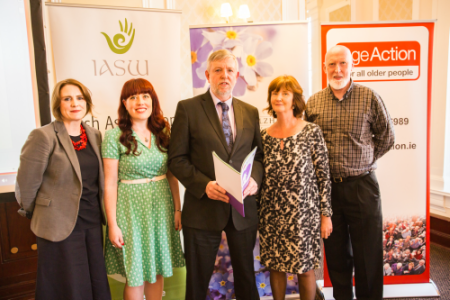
(118, 39)
(121, 66)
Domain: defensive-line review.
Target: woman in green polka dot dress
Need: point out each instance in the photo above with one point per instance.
(142, 200)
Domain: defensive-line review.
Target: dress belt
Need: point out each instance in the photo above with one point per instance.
(350, 178)
(144, 180)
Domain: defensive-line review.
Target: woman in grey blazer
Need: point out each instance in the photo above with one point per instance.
(60, 188)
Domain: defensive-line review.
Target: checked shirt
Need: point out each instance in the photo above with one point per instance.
(357, 129)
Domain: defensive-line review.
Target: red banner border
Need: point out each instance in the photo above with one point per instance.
(425, 276)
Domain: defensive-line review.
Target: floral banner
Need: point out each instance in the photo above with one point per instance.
(221, 285)
(264, 52)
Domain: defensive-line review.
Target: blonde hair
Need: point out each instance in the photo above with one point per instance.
(220, 55)
(56, 97)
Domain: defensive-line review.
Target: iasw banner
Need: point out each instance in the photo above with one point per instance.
(264, 52)
(103, 47)
(394, 59)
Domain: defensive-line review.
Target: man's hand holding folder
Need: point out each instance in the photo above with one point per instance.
(216, 192)
(230, 185)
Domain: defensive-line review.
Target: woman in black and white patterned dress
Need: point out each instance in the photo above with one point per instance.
(295, 200)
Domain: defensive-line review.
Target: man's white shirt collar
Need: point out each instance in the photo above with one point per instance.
(216, 100)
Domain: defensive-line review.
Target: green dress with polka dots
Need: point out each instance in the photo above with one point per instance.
(145, 214)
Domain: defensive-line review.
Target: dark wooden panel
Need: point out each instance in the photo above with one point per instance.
(22, 297)
(16, 233)
(7, 197)
(17, 270)
(17, 279)
(440, 230)
(23, 290)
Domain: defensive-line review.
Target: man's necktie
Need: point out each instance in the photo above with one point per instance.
(226, 126)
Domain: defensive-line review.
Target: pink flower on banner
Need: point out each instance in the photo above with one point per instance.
(256, 257)
(241, 85)
(200, 50)
(252, 64)
(291, 284)
(228, 37)
(230, 275)
(220, 282)
(263, 284)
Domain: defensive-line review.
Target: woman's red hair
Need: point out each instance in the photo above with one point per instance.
(156, 123)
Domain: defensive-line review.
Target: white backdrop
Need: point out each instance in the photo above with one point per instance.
(81, 51)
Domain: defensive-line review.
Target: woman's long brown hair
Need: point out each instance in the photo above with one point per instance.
(156, 123)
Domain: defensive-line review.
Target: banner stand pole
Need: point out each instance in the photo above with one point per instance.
(319, 290)
(390, 290)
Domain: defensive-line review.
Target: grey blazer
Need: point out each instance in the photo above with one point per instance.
(49, 184)
(196, 132)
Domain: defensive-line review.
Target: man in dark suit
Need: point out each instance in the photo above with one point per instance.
(419, 266)
(215, 121)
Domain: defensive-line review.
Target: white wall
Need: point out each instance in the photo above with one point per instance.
(440, 124)
(129, 3)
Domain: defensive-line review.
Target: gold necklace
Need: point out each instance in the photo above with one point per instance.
(146, 139)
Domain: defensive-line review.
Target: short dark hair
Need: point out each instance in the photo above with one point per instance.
(291, 84)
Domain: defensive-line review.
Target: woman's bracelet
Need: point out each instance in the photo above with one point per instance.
(177, 210)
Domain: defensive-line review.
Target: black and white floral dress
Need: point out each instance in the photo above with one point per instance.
(296, 190)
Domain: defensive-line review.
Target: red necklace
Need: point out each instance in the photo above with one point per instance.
(81, 144)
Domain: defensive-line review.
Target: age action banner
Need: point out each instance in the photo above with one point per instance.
(103, 47)
(395, 61)
(264, 52)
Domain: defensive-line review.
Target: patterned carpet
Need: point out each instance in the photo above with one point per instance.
(439, 272)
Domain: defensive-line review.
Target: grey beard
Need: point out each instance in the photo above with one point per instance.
(222, 94)
(338, 86)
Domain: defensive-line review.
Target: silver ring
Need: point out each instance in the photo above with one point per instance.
(114, 246)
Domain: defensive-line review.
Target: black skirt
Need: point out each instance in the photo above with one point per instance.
(73, 269)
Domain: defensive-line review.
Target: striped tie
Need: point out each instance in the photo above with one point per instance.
(226, 126)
